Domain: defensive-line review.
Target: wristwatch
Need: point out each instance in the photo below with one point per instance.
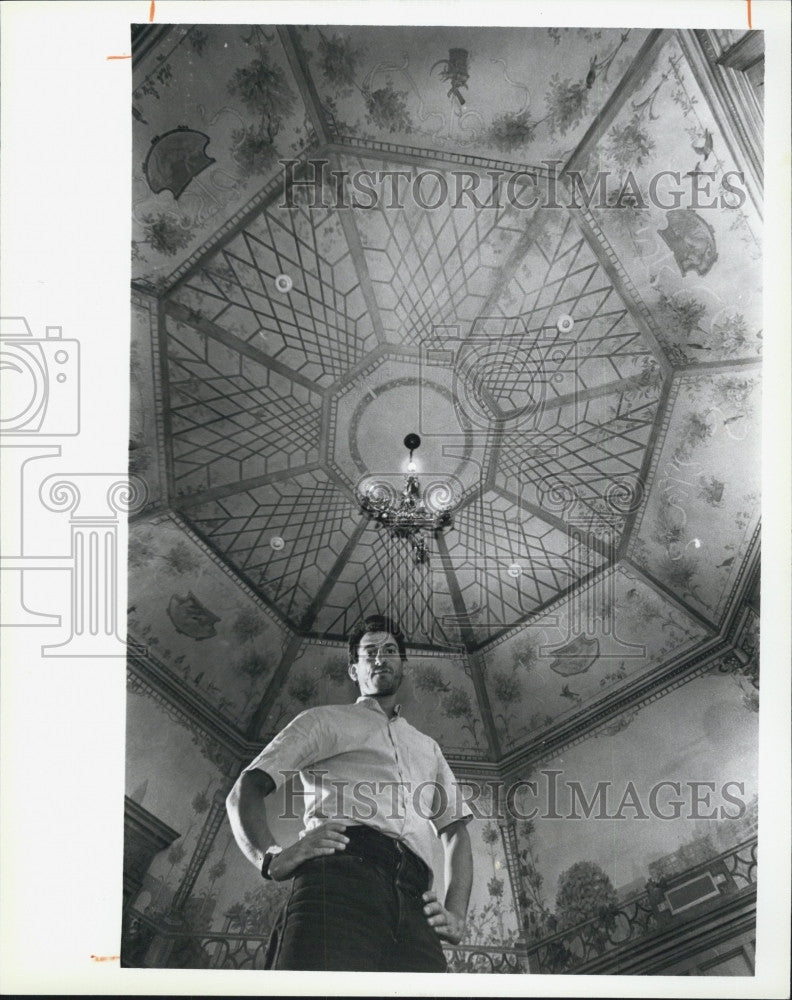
(272, 852)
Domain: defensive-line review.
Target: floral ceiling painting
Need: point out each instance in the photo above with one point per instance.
(586, 381)
(490, 92)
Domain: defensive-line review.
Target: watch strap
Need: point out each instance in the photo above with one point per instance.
(271, 853)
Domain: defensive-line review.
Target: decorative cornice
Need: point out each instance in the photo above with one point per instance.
(735, 108)
(392, 152)
(156, 833)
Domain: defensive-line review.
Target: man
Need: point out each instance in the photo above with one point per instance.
(361, 870)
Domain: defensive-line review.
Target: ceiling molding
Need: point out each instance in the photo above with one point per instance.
(659, 426)
(146, 38)
(349, 226)
(667, 594)
(164, 424)
(274, 686)
(714, 367)
(640, 314)
(416, 156)
(292, 46)
(737, 112)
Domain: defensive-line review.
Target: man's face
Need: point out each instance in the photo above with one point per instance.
(379, 669)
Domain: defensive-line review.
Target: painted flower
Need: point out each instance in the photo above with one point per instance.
(495, 887)
(507, 688)
(176, 854)
(253, 150)
(386, 108)
(200, 802)
(566, 102)
(217, 870)
(252, 665)
(630, 144)
(337, 670)
(166, 235)
(181, 559)
(303, 688)
(490, 834)
(429, 678)
(263, 89)
(339, 59)
(511, 130)
(457, 703)
(248, 625)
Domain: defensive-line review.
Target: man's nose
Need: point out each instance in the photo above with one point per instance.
(378, 657)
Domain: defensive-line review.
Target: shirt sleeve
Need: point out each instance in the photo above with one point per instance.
(449, 805)
(298, 745)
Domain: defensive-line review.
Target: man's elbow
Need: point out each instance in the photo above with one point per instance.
(249, 785)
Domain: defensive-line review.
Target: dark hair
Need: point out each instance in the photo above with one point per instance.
(375, 623)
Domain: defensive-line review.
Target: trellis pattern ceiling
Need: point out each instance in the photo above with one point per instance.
(623, 449)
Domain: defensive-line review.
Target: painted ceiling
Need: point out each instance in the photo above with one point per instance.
(606, 477)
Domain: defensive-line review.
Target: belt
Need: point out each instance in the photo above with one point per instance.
(390, 854)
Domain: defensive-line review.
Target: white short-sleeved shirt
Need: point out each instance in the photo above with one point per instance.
(358, 764)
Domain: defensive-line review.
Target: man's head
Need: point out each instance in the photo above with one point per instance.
(377, 654)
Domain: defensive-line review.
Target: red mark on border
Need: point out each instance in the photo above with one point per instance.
(750, 25)
(151, 10)
(105, 958)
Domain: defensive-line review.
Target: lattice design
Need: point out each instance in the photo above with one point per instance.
(320, 327)
(493, 535)
(431, 266)
(560, 275)
(232, 418)
(381, 576)
(307, 512)
(582, 461)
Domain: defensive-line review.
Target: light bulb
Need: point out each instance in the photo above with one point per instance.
(411, 467)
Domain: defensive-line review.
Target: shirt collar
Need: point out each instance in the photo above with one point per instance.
(370, 702)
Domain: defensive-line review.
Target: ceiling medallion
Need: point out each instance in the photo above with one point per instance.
(409, 515)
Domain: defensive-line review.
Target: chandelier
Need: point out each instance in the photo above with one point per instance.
(408, 515)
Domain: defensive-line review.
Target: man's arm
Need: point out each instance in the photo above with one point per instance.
(448, 920)
(248, 818)
(246, 813)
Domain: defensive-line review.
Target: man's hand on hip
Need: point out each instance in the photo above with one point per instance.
(327, 838)
(444, 923)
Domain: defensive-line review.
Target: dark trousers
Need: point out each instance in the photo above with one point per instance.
(360, 910)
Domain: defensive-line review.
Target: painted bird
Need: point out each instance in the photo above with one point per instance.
(572, 695)
(706, 147)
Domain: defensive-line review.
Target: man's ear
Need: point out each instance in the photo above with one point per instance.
(352, 669)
